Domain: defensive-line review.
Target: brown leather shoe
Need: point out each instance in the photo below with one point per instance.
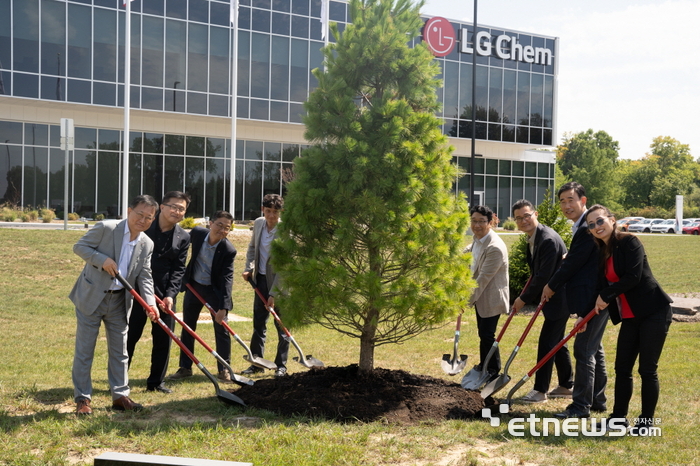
(125, 403)
(83, 407)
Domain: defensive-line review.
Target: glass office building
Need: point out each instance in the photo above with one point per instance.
(65, 59)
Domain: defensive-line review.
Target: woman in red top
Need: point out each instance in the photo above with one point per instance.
(635, 298)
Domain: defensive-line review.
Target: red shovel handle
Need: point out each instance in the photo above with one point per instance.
(530, 324)
(573, 332)
(184, 325)
(269, 309)
(208, 306)
(512, 313)
(160, 322)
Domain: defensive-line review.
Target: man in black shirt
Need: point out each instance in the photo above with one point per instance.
(170, 244)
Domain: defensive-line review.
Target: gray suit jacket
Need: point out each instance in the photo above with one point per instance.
(100, 242)
(252, 258)
(491, 296)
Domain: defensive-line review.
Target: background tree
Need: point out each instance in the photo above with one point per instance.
(655, 180)
(371, 238)
(591, 159)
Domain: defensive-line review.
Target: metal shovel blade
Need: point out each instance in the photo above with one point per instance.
(310, 362)
(229, 398)
(453, 365)
(260, 362)
(495, 385)
(477, 380)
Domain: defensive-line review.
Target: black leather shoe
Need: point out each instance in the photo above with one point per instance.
(159, 388)
(570, 413)
(253, 370)
(125, 403)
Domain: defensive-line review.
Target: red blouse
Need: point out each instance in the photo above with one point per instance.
(622, 304)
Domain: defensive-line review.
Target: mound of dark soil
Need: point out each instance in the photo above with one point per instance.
(341, 393)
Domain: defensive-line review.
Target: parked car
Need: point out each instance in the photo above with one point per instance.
(667, 226)
(692, 229)
(644, 226)
(625, 222)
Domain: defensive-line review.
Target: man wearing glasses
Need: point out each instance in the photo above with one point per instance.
(210, 272)
(170, 244)
(491, 296)
(545, 252)
(111, 247)
(579, 272)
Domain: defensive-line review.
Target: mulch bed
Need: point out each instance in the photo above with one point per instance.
(343, 394)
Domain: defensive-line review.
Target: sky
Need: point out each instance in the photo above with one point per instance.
(630, 68)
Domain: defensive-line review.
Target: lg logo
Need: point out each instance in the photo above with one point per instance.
(440, 36)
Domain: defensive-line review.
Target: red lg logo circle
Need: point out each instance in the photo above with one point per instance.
(439, 34)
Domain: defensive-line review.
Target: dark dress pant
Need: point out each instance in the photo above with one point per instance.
(191, 308)
(260, 318)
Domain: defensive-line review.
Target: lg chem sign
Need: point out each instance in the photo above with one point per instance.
(440, 37)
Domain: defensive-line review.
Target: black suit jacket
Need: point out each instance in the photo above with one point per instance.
(548, 252)
(168, 268)
(579, 272)
(644, 294)
(221, 267)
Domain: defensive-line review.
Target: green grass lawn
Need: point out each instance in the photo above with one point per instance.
(39, 427)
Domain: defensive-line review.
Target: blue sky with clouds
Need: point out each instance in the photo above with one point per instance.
(630, 68)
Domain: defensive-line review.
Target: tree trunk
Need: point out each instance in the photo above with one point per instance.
(366, 353)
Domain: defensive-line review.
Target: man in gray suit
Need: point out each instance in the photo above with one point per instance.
(109, 247)
(491, 296)
(268, 282)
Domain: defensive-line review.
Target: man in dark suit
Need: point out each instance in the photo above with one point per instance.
(170, 244)
(210, 272)
(545, 252)
(579, 272)
(111, 247)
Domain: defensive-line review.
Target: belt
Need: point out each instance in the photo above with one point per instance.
(114, 291)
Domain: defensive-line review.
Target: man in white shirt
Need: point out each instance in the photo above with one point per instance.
(259, 268)
(109, 247)
(490, 270)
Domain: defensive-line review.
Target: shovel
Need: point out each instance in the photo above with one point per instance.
(226, 397)
(254, 360)
(239, 379)
(548, 356)
(503, 379)
(453, 365)
(306, 361)
(478, 376)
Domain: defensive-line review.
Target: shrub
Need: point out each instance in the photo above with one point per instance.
(73, 216)
(9, 215)
(47, 215)
(32, 215)
(188, 223)
(99, 217)
(509, 224)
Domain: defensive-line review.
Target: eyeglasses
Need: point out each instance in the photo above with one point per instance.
(177, 208)
(599, 222)
(221, 226)
(479, 222)
(143, 216)
(524, 217)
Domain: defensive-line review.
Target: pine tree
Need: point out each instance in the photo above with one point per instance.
(372, 234)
